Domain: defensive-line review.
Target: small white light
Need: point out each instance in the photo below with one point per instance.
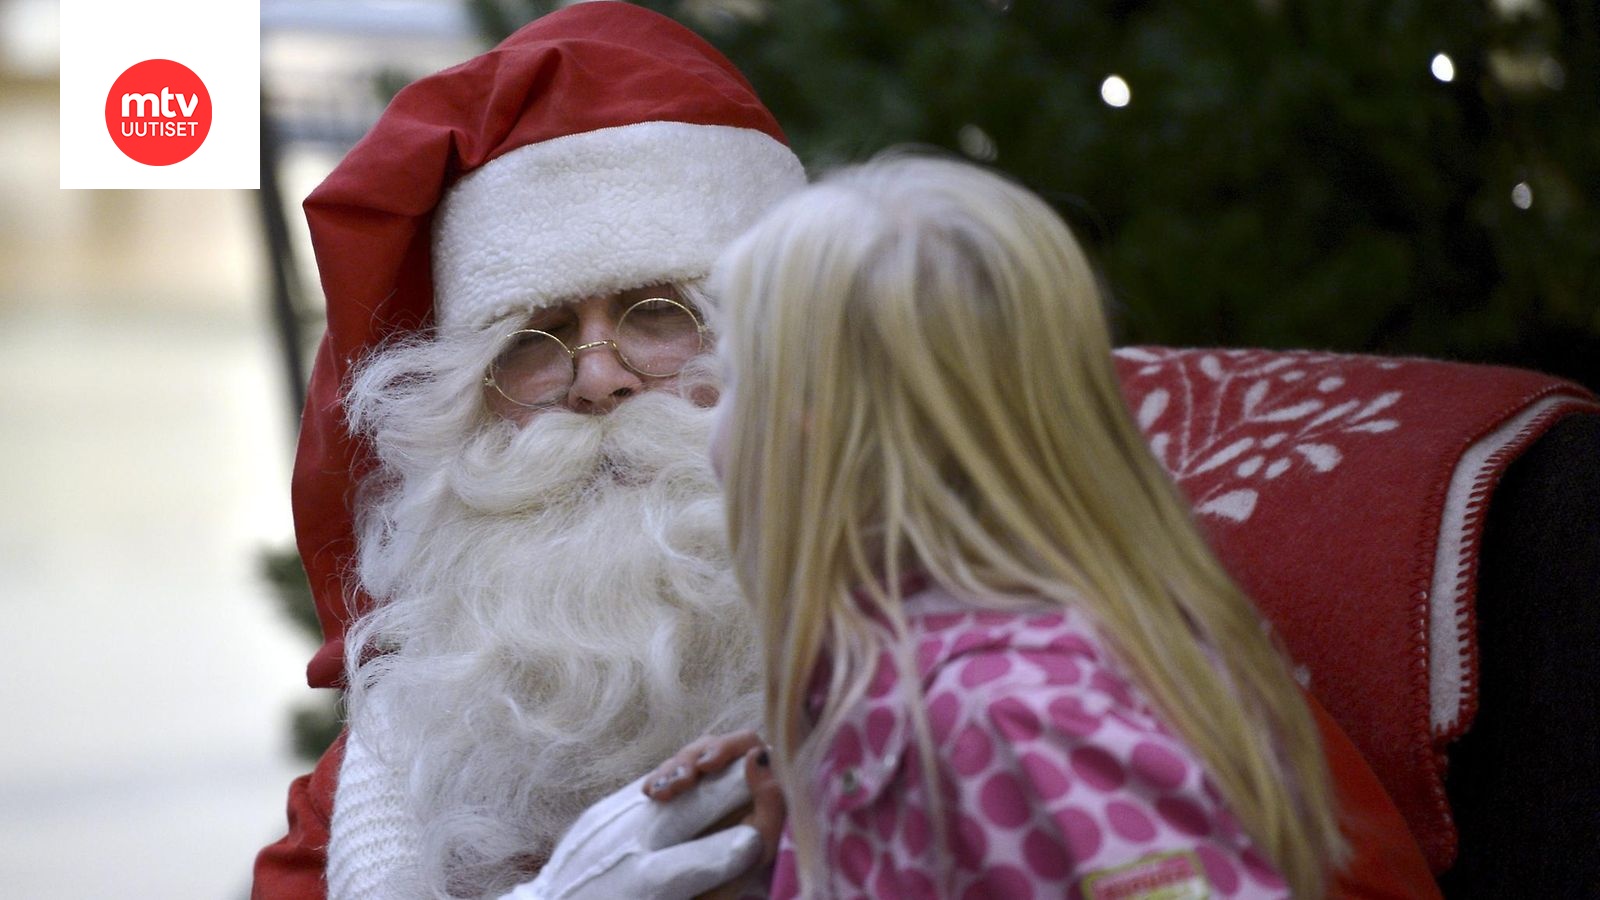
(1115, 92)
(1444, 68)
(1551, 75)
(976, 143)
(1522, 195)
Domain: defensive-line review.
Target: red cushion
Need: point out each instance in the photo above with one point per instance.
(1346, 494)
(1385, 861)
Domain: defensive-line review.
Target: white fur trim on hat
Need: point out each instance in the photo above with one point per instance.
(598, 212)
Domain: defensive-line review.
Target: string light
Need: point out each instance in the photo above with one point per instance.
(976, 143)
(1115, 92)
(1522, 195)
(1444, 68)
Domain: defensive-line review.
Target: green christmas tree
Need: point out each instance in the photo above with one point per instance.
(313, 724)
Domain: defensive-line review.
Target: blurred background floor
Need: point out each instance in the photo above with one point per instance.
(145, 672)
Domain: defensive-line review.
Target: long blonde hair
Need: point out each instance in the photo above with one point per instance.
(921, 377)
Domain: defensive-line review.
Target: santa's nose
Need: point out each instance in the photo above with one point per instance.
(599, 379)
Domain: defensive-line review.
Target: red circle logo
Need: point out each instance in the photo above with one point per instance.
(158, 112)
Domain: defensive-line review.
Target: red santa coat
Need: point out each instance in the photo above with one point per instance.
(584, 70)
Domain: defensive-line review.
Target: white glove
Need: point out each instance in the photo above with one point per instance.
(629, 846)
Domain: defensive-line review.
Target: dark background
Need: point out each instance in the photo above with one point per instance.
(1287, 174)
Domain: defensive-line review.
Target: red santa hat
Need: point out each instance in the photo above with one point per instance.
(599, 148)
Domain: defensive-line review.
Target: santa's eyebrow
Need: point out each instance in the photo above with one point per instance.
(665, 289)
(549, 317)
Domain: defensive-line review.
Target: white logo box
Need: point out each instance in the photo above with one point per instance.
(219, 39)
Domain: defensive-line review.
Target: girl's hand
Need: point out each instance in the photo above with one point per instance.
(627, 845)
(710, 755)
(706, 756)
(768, 810)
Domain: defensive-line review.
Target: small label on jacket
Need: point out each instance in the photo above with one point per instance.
(1160, 876)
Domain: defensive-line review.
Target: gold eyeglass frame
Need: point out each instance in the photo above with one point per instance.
(572, 352)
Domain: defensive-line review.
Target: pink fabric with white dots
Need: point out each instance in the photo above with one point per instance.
(1057, 766)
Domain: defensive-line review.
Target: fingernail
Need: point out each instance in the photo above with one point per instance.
(707, 756)
(761, 759)
(677, 774)
(660, 784)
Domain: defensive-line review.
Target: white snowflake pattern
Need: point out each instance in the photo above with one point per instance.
(1251, 417)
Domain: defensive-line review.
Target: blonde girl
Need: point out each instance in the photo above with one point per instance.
(1000, 659)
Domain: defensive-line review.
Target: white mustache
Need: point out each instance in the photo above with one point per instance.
(555, 456)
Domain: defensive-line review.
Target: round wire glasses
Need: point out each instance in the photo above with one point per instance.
(655, 338)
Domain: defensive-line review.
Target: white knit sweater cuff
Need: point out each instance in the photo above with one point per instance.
(373, 839)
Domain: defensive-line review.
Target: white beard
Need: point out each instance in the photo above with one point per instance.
(556, 609)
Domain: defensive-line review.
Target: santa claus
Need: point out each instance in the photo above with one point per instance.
(502, 494)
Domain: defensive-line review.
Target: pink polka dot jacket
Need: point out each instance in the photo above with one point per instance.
(1065, 782)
